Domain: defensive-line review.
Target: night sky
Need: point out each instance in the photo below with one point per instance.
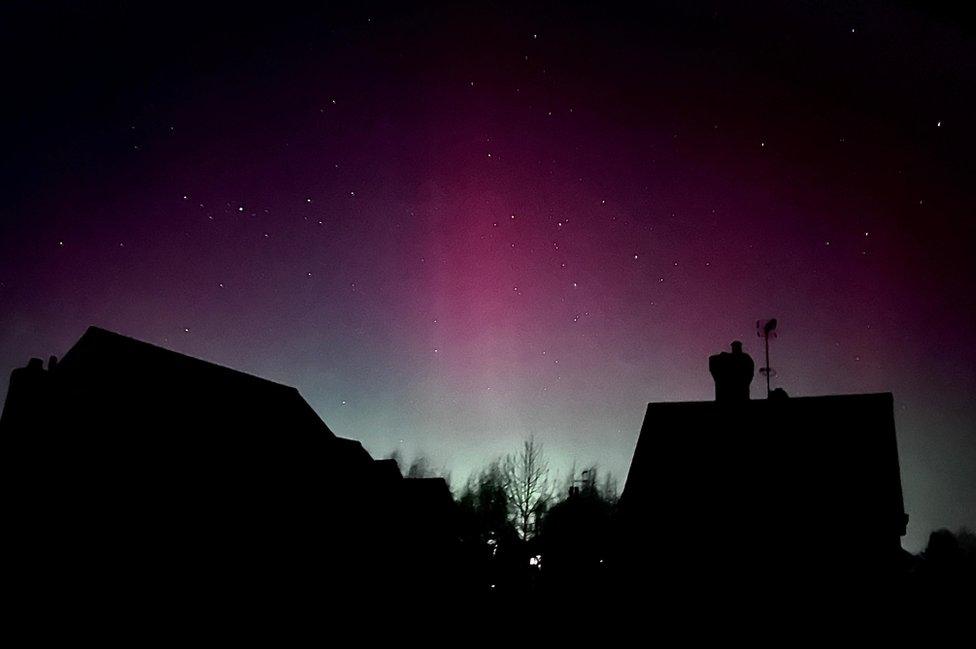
(454, 226)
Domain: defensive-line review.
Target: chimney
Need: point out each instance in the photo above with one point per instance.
(27, 398)
(732, 373)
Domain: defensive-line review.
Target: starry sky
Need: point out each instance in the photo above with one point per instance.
(455, 225)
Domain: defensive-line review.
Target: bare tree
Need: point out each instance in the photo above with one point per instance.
(525, 477)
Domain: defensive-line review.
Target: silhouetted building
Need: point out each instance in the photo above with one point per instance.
(783, 492)
(138, 476)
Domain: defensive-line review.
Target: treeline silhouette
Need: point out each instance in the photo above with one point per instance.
(143, 486)
(568, 541)
(521, 531)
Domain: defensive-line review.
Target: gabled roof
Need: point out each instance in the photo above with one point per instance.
(109, 362)
(112, 351)
(839, 452)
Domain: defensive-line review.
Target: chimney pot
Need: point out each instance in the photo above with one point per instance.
(732, 372)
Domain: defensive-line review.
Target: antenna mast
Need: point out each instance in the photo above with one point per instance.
(766, 329)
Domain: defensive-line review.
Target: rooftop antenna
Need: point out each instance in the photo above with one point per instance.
(766, 329)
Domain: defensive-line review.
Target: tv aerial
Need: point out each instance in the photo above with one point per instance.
(766, 329)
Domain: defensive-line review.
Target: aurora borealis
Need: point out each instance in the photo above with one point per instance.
(454, 226)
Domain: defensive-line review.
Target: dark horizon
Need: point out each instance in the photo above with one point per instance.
(452, 227)
(153, 482)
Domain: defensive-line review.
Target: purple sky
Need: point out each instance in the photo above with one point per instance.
(455, 227)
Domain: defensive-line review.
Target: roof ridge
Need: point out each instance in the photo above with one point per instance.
(101, 332)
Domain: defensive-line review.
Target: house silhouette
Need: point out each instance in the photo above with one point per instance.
(143, 480)
(783, 494)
